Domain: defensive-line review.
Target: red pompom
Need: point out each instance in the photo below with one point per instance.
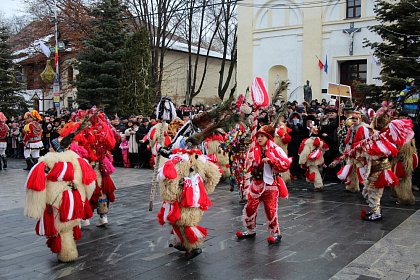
(88, 174)
(286, 139)
(399, 169)
(239, 234)
(77, 233)
(363, 214)
(54, 243)
(310, 176)
(169, 171)
(317, 142)
(36, 178)
(271, 240)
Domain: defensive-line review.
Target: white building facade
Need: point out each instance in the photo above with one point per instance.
(283, 39)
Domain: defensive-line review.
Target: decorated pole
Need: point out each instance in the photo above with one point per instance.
(260, 99)
(165, 111)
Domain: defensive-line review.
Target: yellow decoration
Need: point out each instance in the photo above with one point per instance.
(48, 75)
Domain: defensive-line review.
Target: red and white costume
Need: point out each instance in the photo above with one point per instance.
(267, 184)
(32, 139)
(311, 158)
(4, 132)
(58, 189)
(356, 133)
(183, 207)
(283, 138)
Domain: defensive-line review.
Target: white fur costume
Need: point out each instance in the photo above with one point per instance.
(58, 190)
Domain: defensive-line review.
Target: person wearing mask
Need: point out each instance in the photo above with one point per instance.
(32, 140)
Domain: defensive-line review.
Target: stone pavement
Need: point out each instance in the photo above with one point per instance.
(323, 237)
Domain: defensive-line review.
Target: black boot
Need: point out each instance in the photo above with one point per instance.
(192, 254)
(4, 159)
(28, 164)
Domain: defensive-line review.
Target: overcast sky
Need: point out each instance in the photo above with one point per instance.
(11, 7)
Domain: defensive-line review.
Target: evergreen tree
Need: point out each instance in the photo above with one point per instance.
(399, 50)
(100, 67)
(136, 94)
(11, 100)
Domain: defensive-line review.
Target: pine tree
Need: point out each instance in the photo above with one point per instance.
(399, 50)
(100, 67)
(136, 94)
(11, 100)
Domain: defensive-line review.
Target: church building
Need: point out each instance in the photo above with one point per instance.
(306, 40)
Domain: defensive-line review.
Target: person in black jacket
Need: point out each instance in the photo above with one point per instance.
(298, 133)
(144, 153)
(329, 134)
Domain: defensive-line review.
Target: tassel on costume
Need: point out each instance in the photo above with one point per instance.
(79, 210)
(54, 243)
(169, 171)
(46, 225)
(415, 161)
(67, 206)
(88, 210)
(88, 174)
(169, 212)
(283, 191)
(196, 233)
(108, 185)
(386, 178)
(36, 179)
(344, 172)
(315, 155)
(398, 169)
(310, 176)
(77, 233)
(62, 171)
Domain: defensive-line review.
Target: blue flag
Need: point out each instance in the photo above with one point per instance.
(326, 65)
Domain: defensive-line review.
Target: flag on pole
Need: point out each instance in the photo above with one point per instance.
(326, 65)
(56, 55)
(44, 49)
(320, 64)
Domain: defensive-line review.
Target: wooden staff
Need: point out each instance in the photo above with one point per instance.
(156, 168)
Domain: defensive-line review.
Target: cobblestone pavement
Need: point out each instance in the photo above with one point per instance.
(323, 237)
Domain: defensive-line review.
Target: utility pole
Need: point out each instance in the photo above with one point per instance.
(56, 86)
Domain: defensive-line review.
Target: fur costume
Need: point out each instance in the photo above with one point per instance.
(174, 126)
(372, 155)
(186, 179)
(403, 166)
(268, 163)
(356, 133)
(153, 138)
(215, 151)
(311, 158)
(58, 190)
(283, 138)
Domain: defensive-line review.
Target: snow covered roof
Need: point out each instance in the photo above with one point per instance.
(183, 47)
(32, 49)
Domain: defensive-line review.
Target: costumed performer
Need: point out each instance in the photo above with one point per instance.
(268, 162)
(4, 133)
(32, 139)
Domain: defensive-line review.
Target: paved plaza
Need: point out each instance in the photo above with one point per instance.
(323, 238)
